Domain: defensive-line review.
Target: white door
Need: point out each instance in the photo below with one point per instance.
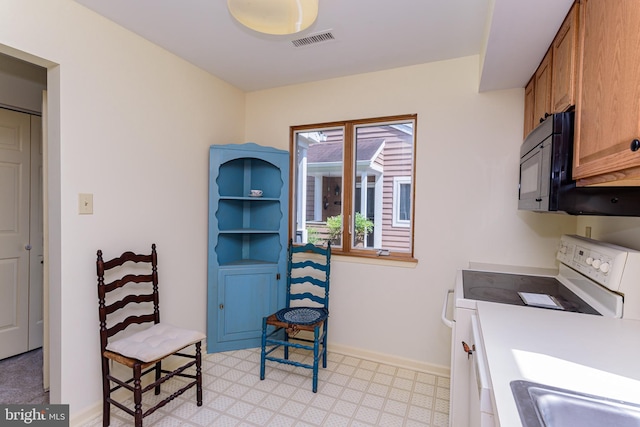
(15, 162)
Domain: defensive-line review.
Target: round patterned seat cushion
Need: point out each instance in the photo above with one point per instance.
(302, 315)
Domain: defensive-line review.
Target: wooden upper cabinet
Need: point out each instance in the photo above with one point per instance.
(608, 106)
(542, 89)
(552, 88)
(529, 105)
(565, 59)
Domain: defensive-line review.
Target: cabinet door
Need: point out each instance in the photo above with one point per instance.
(565, 58)
(608, 111)
(529, 103)
(460, 369)
(245, 295)
(543, 89)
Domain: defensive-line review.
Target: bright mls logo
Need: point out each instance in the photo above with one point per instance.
(34, 415)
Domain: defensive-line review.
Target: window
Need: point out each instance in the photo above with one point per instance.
(402, 201)
(363, 171)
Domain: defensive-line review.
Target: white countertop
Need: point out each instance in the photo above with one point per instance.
(580, 352)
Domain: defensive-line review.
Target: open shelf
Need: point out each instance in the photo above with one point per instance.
(237, 177)
(252, 215)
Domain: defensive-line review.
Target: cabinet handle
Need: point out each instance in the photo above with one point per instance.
(635, 145)
(221, 306)
(467, 349)
(538, 200)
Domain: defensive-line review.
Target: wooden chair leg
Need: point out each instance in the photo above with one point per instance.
(286, 346)
(106, 393)
(315, 358)
(158, 375)
(137, 394)
(263, 348)
(324, 345)
(198, 374)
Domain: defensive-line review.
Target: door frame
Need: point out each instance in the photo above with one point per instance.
(52, 220)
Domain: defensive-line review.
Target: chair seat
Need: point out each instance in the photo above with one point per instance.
(156, 342)
(302, 315)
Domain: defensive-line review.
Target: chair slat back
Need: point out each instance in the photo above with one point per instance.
(127, 292)
(308, 272)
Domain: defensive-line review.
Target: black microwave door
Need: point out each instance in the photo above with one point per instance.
(535, 170)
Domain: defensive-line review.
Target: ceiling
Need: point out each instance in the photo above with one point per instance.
(369, 35)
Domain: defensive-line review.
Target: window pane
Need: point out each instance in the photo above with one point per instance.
(318, 186)
(405, 202)
(383, 154)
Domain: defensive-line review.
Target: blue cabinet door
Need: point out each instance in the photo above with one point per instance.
(245, 295)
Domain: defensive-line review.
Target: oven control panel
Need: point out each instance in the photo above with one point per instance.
(601, 262)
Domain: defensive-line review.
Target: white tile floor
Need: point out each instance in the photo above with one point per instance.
(351, 392)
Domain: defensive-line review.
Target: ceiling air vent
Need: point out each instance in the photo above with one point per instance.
(323, 37)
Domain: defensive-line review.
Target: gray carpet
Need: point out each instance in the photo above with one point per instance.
(21, 379)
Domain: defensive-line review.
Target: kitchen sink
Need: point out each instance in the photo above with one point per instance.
(541, 405)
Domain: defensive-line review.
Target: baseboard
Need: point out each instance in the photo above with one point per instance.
(85, 416)
(443, 371)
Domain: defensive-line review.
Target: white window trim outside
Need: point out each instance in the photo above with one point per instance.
(397, 182)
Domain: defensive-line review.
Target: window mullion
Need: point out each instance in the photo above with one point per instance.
(348, 184)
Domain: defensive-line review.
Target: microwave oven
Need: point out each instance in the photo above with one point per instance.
(546, 184)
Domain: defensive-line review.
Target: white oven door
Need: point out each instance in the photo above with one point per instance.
(480, 394)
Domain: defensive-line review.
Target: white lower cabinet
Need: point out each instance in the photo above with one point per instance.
(480, 393)
(460, 369)
(471, 396)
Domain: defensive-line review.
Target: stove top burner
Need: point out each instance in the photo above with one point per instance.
(504, 287)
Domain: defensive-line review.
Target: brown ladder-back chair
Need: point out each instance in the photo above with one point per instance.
(133, 279)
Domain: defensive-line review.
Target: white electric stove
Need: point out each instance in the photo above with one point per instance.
(593, 278)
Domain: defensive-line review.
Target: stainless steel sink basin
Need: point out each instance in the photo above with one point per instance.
(541, 405)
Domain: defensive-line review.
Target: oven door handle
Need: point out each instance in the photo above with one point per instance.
(445, 304)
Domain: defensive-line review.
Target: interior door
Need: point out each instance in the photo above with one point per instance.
(15, 161)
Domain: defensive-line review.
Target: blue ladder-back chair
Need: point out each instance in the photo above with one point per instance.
(307, 309)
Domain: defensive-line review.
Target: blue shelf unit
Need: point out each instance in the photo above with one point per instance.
(247, 242)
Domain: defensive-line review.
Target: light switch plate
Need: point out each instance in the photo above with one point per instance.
(85, 204)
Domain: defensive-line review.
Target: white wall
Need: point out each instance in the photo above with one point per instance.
(618, 230)
(466, 197)
(130, 123)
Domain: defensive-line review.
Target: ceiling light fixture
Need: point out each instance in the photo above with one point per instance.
(274, 16)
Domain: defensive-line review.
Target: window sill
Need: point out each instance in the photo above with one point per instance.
(376, 260)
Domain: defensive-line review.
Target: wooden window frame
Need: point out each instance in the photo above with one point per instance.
(349, 184)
